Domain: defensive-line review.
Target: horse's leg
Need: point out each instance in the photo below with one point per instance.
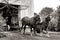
(24, 29)
(41, 29)
(47, 34)
(35, 31)
(41, 32)
(21, 28)
(46, 29)
(31, 30)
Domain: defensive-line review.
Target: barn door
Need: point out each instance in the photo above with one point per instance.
(12, 15)
(14, 19)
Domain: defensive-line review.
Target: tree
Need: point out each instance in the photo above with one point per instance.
(58, 11)
(54, 23)
(45, 11)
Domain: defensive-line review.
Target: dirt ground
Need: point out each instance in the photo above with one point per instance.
(14, 35)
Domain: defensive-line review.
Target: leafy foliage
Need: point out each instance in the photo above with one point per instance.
(45, 11)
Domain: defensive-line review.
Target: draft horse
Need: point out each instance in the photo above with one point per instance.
(31, 22)
(44, 24)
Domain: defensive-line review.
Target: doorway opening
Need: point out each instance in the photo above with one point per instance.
(11, 16)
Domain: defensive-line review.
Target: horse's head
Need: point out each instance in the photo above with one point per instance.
(37, 19)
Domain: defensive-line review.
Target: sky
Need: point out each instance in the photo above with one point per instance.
(40, 4)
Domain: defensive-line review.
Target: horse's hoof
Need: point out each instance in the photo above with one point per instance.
(31, 34)
(23, 33)
(41, 34)
(20, 31)
(47, 35)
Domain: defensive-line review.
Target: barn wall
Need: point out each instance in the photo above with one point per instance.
(28, 11)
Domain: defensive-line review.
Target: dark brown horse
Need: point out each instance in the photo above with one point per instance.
(31, 22)
(44, 24)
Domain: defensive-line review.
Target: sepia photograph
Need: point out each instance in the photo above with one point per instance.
(29, 19)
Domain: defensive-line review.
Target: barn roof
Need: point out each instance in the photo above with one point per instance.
(18, 2)
(22, 3)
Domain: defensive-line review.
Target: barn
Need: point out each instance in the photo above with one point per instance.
(15, 10)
